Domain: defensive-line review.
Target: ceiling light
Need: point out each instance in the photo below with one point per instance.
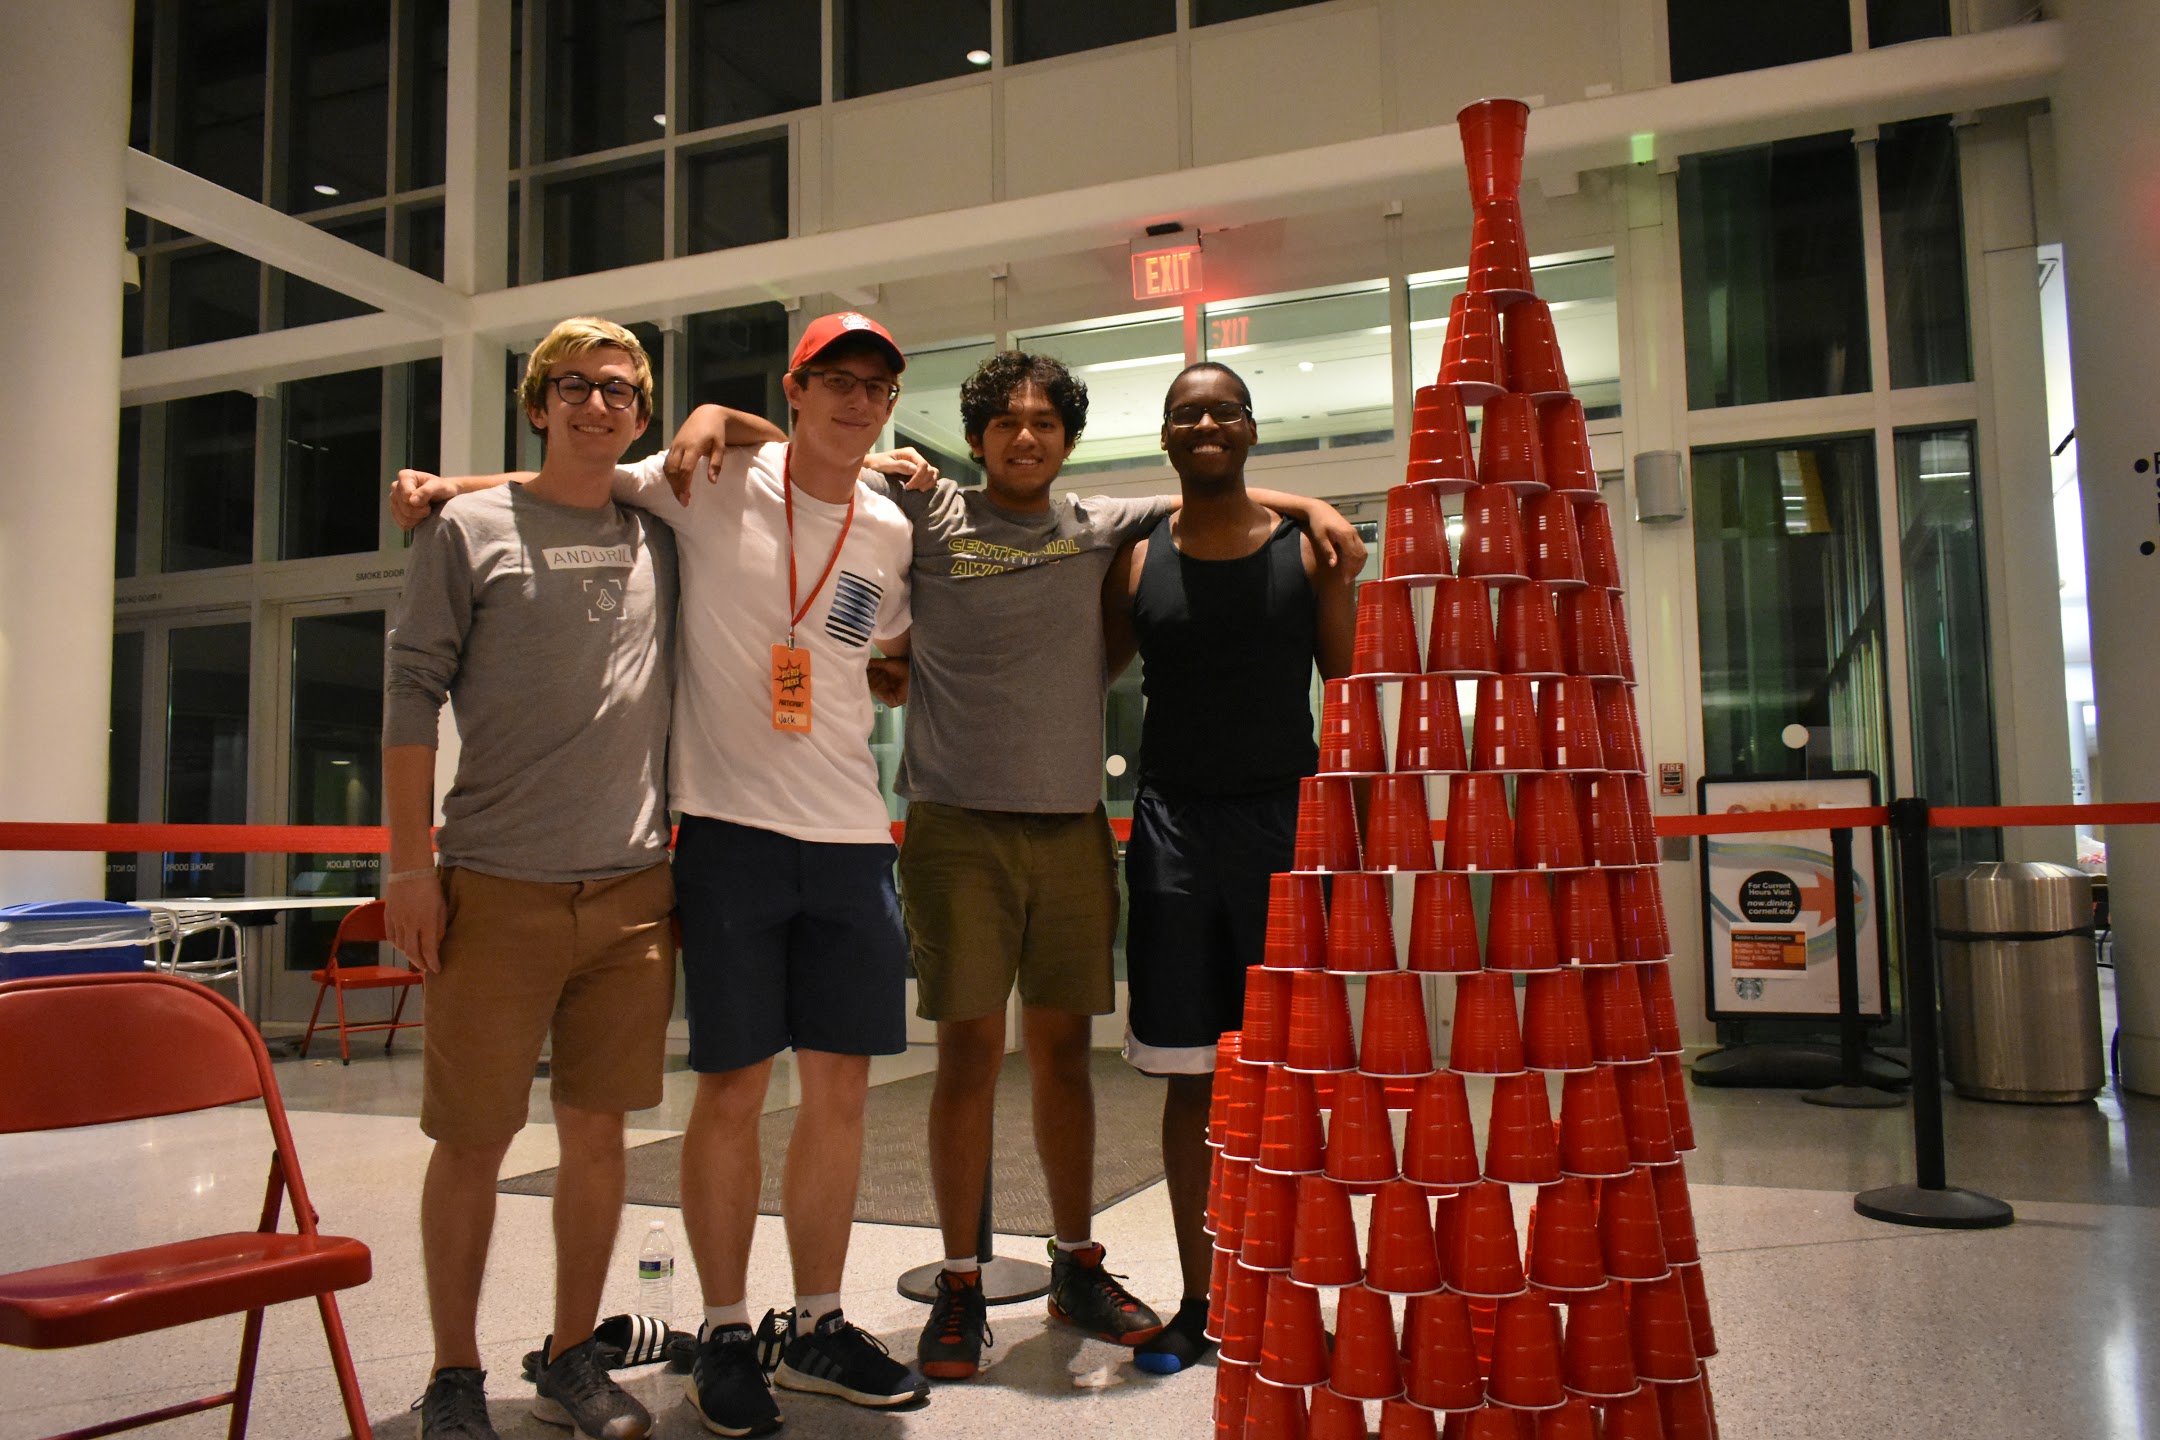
(978, 57)
(1305, 366)
(326, 190)
(660, 120)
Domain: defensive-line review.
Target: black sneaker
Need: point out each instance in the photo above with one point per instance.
(727, 1386)
(576, 1390)
(836, 1358)
(952, 1343)
(455, 1406)
(1089, 1298)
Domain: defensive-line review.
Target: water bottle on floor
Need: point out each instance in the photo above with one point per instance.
(656, 1272)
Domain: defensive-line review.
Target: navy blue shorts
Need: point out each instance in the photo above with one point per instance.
(787, 943)
(1196, 884)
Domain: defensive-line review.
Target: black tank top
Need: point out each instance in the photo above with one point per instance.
(1228, 648)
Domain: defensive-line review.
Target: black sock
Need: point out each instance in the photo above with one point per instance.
(1182, 1337)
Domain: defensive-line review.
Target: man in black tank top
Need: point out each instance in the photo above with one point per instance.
(1229, 608)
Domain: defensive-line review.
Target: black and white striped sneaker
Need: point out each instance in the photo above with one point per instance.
(837, 1358)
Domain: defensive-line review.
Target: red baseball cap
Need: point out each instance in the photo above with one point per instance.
(826, 329)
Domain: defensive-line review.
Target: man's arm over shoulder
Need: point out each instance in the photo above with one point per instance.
(1123, 519)
(1336, 539)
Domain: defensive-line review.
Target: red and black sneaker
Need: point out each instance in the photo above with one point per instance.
(952, 1343)
(1089, 1298)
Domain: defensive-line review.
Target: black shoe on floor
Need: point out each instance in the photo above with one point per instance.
(726, 1385)
(839, 1359)
(1086, 1296)
(575, 1389)
(1179, 1345)
(952, 1343)
(455, 1406)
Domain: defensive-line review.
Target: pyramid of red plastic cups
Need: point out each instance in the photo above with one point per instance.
(1324, 1245)
(1395, 1039)
(1266, 1027)
(1440, 1363)
(1401, 1257)
(1520, 1147)
(1619, 732)
(1703, 1333)
(1480, 831)
(1327, 838)
(1582, 914)
(1658, 1004)
(1639, 916)
(1366, 1364)
(1619, 1031)
(1500, 254)
(1593, 1133)
(1644, 1113)
(1528, 635)
(1351, 742)
(1270, 1220)
(1589, 646)
(1360, 1146)
(1658, 1324)
(1360, 939)
(1443, 926)
(1597, 1353)
(1556, 1022)
(1274, 1412)
(1483, 1257)
(1439, 1146)
(1504, 737)
(1441, 457)
(1608, 829)
(1601, 560)
(1553, 544)
(1429, 730)
(1628, 1231)
(1564, 1253)
(1487, 1038)
(1548, 828)
(1568, 729)
(1564, 445)
(1319, 1037)
(1526, 1355)
(1244, 1312)
(1296, 935)
(1290, 1134)
(1462, 644)
(1532, 351)
(1519, 932)
(1508, 454)
(1413, 546)
(1398, 832)
(1471, 363)
(1330, 1416)
(1492, 539)
(1386, 643)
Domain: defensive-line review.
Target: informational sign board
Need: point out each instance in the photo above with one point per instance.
(1770, 903)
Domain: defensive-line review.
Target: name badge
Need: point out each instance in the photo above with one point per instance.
(790, 689)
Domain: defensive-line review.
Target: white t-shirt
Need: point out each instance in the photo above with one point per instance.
(726, 760)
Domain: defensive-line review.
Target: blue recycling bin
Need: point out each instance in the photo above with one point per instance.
(72, 937)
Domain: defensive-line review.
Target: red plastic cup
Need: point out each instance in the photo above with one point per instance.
(1324, 1240)
(1685, 1410)
(1608, 829)
(1439, 1146)
(1556, 1022)
(1386, 643)
(1493, 1422)
(1619, 732)
(1619, 1031)
(1572, 1419)
(1487, 1039)
(1233, 1390)
(1274, 1412)
(1683, 1124)
(1529, 632)
(1526, 1355)
(1360, 939)
(1401, 1258)
(1241, 1121)
(1700, 1330)
(1635, 1417)
(1628, 1230)
(1429, 731)
(1658, 1325)
(1244, 1313)
(1582, 912)
(1443, 926)
(1470, 359)
(1564, 1253)
(1480, 831)
(1553, 545)
(1600, 556)
(1327, 838)
(1642, 823)
(1564, 439)
(1520, 1147)
(1367, 1365)
(1226, 1204)
(1483, 1257)
(1519, 934)
(1398, 832)
(1532, 351)
(1293, 1344)
(1508, 452)
(1620, 633)
(1657, 993)
(1492, 539)
(1504, 737)
(1440, 453)
(1320, 1037)
(1361, 1147)
(1593, 1136)
(1462, 643)
(1296, 923)
(1267, 1021)
(1351, 742)
(1218, 1288)
(1395, 1040)
(1639, 915)
(1568, 724)
(1290, 1137)
(1492, 139)
(1440, 1363)
(1588, 644)
(1499, 255)
(1676, 1215)
(1413, 547)
(1548, 829)
(1270, 1220)
(1406, 1420)
(1597, 1355)
(1642, 1110)
(1332, 1416)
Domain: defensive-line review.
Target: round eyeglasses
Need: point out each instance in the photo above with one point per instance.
(575, 390)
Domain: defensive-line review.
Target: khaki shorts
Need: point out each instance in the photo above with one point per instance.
(992, 896)
(591, 961)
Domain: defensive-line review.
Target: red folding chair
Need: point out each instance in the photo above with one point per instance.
(362, 925)
(99, 1049)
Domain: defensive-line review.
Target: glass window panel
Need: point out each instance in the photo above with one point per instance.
(220, 100)
(210, 481)
(339, 150)
(1716, 37)
(1946, 640)
(1214, 12)
(424, 240)
(423, 417)
(599, 222)
(132, 313)
(425, 128)
(887, 47)
(123, 767)
(1923, 243)
(333, 465)
(1043, 28)
(307, 303)
(752, 57)
(738, 196)
(213, 294)
(927, 415)
(1317, 365)
(1788, 585)
(141, 71)
(1891, 22)
(1582, 293)
(336, 778)
(129, 510)
(1127, 362)
(606, 69)
(1773, 284)
(737, 357)
(206, 751)
(659, 432)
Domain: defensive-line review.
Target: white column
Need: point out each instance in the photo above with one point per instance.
(2107, 142)
(63, 130)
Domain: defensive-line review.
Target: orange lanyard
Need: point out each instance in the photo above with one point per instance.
(787, 490)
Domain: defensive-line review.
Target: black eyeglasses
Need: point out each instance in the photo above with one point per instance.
(1222, 412)
(576, 390)
(846, 382)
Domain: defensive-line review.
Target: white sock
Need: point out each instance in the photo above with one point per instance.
(809, 1309)
(963, 1265)
(1070, 1246)
(719, 1315)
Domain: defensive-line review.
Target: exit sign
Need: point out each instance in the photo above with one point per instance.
(1162, 274)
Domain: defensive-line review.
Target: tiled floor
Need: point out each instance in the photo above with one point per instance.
(1829, 1325)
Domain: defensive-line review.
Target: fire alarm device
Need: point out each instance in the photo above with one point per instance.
(1671, 778)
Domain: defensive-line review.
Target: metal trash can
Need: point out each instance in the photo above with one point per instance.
(2020, 983)
(72, 937)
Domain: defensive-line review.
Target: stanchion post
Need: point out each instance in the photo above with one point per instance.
(1005, 1280)
(1852, 1092)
